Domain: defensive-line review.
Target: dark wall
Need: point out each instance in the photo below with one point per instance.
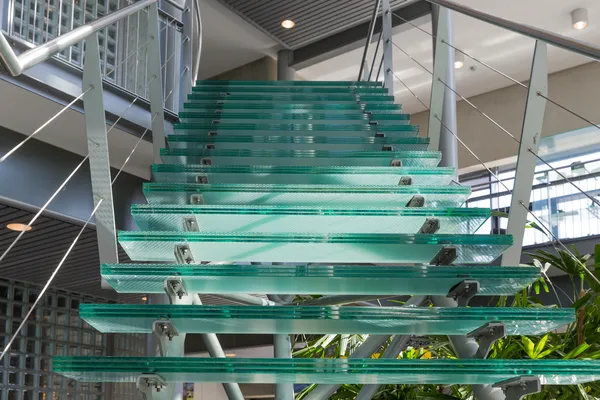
(36, 170)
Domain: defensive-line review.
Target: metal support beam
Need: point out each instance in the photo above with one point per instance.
(528, 149)
(97, 140)
(517, 388)
(388, 56)
(155, 89)
(365, 350)
(186, 82)
(284, 71)
(443, 100)
(394, 348)
(283, 349)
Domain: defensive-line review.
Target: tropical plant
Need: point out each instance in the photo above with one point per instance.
(579, 340)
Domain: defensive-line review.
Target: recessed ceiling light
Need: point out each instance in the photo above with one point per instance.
(579, 18)
(459, 60)
(18, 227)
(230, 355)
(144, 298)
(288, 23)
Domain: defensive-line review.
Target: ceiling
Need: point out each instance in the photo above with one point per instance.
(504, 50)
(315, 19)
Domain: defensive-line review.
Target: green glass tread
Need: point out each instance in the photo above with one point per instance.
(308, 97)
(281, 174)
(305, 195)
(319, 279)
(324, 370)
(125, 318)
(215, 127)
(250, 142)
(291, 106)
(227, 89)
(319, 248)
(288, 83)
(272, 219)
(209, 115)
(300, 157)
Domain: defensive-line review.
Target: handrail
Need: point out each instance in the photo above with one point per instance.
(369, 37)
(564, 42)
(17, 64)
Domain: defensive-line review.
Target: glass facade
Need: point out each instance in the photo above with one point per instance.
(54, 329)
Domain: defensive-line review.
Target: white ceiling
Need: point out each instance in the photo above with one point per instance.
(229, 41)
(504, 50)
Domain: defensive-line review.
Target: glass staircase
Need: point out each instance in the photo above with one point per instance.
(317, 188)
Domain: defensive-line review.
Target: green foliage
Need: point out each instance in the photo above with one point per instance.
(580, 340)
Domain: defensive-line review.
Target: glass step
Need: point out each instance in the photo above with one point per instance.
(289, 83)
(317, 320)
(248, 142)
(309, 98)
(272, 174)
(301, 157)
(304, 195)
(207, 116)
(285, 219)
(356, 129)
(326, 370)
(318, 248)
(422, 280)
(296, 107)
(226, 90)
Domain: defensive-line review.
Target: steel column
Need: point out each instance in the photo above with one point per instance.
(388, 56)
(284, 71)
(155, 90)
(466, 348)
(443, 100)
(95, 127)
(187, 54)
(528, 149)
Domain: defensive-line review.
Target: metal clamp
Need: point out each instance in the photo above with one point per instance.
(183, 254)
(175, 288)
(165, 333)
(191, 225)
(154, 387)
(445, 256)
(210, 146)
(517, 388)
(387, 147)
(378, 134)
(396, 163)
(405, 181)
(416, 201)
(202, 179)
(463, 292)
(206, 161)
(430, 226)
(196, 199)
(487, 335)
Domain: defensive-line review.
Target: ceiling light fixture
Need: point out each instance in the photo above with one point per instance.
(459, 60)
(230, 355)
(144, 298)
(288, 23)
(15, 226)
(579, 18)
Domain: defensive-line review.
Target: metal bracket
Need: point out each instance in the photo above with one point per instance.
(183, 254)
(487, 335)
(153, 387)
(405, 181)
(191, 225)
(445, 256)
(206, 161)
(175, 288)
(396, 163)
(431, 225)
(170, 342)
(463, 292)
(212, 133)
(210, 146)
(517, 388)
(373, 123)
(196, 199)
(387, 148)
(203, 179)
(378, 134)
(416, 201)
